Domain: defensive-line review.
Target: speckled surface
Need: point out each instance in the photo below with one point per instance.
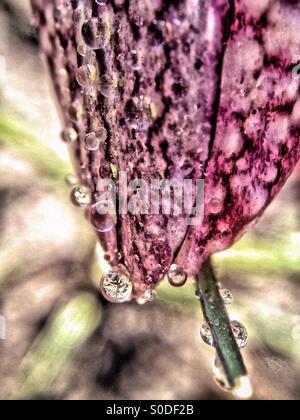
(204, 90)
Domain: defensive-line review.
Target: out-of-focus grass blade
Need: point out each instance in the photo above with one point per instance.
(45, 160)
(67, 330)
(265, 256)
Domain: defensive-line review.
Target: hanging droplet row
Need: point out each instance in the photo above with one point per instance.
(93, 34)
(240, 333)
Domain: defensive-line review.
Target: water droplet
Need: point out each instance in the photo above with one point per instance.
(94, 33)
(82, 49)
(227, 296)
(76, 111)
(243, 388)
(69, 135)
(227, 233)
(240, 333)
(116, 287)
(177, 276)
(108, 85)
(136, 60)
(215, 205)
(78, 16)
(61, 13)
(87, 75)
(71, 180)
(138, 113)
(105, 170)
(148, 296)
(91, 142)
(81, 196)
(187, 168)
(63, 76)
(101, 2)
(219, 375)
(206, 335)
(101, 134)
(102, 221)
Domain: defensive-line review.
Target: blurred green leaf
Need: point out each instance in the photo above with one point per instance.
(21, 140)
(67, 330)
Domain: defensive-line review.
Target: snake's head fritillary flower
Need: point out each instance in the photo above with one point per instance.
(159, 90)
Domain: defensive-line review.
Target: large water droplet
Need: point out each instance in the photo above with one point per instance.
(240, 333)
(94, 33)
(81, 196)
(116, 287)
(206, 335)
(219, 375)
(243, 388)
(177, 276)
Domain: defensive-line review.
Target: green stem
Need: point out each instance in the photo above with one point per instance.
(216, 315)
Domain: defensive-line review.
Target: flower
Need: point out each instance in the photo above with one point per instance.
(182, 90)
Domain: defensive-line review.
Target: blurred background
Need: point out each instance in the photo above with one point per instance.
(57, 338)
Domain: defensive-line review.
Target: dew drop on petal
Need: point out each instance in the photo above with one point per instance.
(101, 2)
(69, 135)
(108, 86)
(116, 287)
(85, 51)
(86, 75)
(61, 14)
(219, 375)
(206, 334)
(240, 333)
(147, 297)
(78, 16)
(75, 111)
(215, 205)
(227, 233)
(91, 142)
(82, 49)
(94, 33)
(71, 180)
(177, 276)
(101, 222)
(81, 196)
(101, 134)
